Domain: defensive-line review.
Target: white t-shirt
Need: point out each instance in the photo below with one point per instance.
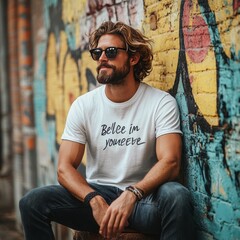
(121, 137)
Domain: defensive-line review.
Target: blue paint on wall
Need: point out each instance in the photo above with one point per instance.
(70, 31)
(40, 91)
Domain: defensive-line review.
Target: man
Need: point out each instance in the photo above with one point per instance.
(133, 140)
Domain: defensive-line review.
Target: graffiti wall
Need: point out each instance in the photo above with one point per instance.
(196, 58)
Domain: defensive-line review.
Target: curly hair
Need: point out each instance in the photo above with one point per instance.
(135, 42)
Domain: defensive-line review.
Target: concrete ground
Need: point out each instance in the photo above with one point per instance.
(8, 229)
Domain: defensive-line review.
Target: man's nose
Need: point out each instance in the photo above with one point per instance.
(103, 57)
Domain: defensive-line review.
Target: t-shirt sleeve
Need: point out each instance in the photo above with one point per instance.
(74, 129)
(167, 117)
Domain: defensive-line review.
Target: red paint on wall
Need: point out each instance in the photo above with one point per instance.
(236, 5)
(196, 35)
(13, 73)
(71, 97)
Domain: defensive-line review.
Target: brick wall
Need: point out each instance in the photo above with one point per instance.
(196, 58)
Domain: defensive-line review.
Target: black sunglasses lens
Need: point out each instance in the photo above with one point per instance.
(111, 52)
(96, 53)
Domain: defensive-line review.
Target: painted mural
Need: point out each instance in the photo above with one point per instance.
(196, 58)
(205, 88)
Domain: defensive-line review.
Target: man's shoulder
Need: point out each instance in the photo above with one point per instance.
(91, 94)
(156, 92)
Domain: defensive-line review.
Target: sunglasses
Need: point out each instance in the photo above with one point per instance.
(110, 52)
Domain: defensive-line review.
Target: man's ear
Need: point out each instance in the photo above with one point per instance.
(134, 58)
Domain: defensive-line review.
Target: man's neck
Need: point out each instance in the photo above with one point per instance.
(121, 92)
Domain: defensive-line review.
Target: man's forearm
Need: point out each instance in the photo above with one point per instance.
(160, 173)
(74, 182)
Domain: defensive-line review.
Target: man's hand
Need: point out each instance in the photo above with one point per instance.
(117, 214)
(99, 208)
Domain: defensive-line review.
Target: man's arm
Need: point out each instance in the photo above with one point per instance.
(168, 150)
(70, 157)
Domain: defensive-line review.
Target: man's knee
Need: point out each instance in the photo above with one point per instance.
(175, 194)
(27, 202)
(33, 200)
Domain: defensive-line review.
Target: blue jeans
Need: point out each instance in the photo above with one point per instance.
(166, 212)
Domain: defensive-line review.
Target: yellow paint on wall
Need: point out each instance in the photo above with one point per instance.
(204, 86)
(163, 74)
(87, 63)
(166, 41)
(72, 9)
(207, 100)
(203, 78)
(203, 75)
(62, 81)
(66, 78)
(228, 24)
(71, 82)
(51, 74)
(205, 82)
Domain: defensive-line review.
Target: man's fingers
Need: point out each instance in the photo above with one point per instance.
(123, 223)
(115, 228)
(104, 223)
(110, 225)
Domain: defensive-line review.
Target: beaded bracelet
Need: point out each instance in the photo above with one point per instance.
(139, 193)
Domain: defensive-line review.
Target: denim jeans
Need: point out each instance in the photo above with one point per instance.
(166, 212)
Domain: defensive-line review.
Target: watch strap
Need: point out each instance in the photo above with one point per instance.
(89, 197)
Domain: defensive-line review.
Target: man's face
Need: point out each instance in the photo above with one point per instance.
(112, 70)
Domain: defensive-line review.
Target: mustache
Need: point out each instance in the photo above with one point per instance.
(104, 65)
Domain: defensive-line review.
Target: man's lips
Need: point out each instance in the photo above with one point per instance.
(103, 67)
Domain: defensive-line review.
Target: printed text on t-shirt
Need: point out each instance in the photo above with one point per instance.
(114, 129)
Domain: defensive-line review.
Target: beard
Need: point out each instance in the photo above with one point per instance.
(116, 77)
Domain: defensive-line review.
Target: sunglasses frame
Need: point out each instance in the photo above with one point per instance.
(95, 56)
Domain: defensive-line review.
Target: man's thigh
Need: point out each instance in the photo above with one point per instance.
(56, 204)
(161, 207)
